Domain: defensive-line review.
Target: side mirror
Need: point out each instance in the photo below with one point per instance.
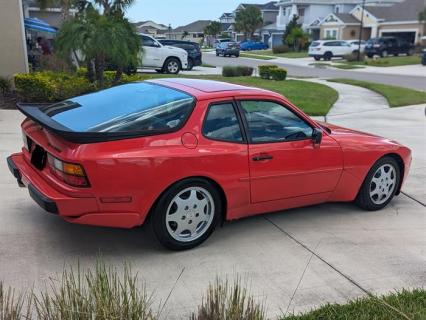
(316, 136)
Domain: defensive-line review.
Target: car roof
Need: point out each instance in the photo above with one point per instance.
(209, 89)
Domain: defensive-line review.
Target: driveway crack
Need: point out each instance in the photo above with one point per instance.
(341, 273)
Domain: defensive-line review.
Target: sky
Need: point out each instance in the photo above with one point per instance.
(182, 12)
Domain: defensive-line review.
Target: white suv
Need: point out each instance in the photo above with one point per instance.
(328, 49)
(165, 59)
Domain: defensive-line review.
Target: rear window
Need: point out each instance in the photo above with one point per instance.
(315, 44)
(135, 107)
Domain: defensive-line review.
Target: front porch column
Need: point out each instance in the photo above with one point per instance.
(374, 31)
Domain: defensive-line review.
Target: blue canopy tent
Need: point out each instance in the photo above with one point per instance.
(38, 25)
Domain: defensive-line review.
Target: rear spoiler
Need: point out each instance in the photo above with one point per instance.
(33, 112)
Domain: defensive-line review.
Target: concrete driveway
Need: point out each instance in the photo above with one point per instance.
(293, 260)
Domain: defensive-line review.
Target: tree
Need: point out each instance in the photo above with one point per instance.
(212, 29)
(185, 34)
(297, 38)
(290, 26)
(248, 20)
(422, 16)
(100, 37)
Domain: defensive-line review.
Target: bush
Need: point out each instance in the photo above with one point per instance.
(50, 86)
(13, 305)
(224, 301)
(265, 70)
(280, 49)
(354, 57)
(278, 74)
(237, 71)
(4, 86)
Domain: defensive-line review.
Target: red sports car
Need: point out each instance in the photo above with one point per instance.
(188, 154)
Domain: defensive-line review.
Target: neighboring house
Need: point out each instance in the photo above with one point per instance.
(52, 15)
(399, 20)
(227, 18)
(151, 28)
(194, 31)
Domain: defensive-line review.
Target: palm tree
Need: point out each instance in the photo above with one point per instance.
(99, 38)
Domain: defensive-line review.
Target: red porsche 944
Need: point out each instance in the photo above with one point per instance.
(187, 154)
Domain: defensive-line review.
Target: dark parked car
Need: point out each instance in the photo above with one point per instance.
(193, 49)
(385, 46)
(424, 57)
(230, 48)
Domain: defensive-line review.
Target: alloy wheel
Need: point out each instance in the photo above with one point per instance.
(190, 214)
(383, 184)
(172, 67)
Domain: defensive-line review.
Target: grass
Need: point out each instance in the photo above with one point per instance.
(255, 56)
(396, 306)
(396, 96)
(290, 54)
(315, 99)
(388, 61)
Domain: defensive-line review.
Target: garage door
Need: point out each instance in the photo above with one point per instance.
(407, 36)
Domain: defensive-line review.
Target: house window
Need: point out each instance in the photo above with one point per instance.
(336, 9)
(331, 33)
(301, 12)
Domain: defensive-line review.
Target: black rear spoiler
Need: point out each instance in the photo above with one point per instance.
(33, 111)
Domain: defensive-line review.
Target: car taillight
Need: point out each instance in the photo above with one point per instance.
(70, 173)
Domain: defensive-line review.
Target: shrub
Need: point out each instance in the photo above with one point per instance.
(280, 49)
(237, 71)
(354, 56)
(49, 86)
(278, 74)
(265, 70)
(54, 63)
(4, 86)
(224, 301)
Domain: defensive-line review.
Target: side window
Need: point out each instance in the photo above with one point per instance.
(148, 42)
(272, 122)
(221, 123)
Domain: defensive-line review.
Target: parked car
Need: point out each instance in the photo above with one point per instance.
(253, 45)
(165, 59)
(219, 41)
(424, 57)
(356, 45)
(385, 46)
(190, 154)
(328, 49)
(228, 49)
(193, 49)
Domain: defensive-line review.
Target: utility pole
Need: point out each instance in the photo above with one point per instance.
(361, 27)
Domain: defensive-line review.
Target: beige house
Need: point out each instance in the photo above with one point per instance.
(399, 20)
(13, 57)
(191, 32)
(152, 28)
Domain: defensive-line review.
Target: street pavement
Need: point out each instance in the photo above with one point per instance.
(301, 69)
(292, 260)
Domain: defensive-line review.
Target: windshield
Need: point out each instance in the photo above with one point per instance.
(134, 107)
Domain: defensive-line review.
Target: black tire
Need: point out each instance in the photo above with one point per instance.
(370, 55)
(217, 53)
(190, 65)
(317, 58)
(172, 62)
(384, 54)
(364, 200)
(410, 52)
(237, 56)
(159, 215)
(328, 55)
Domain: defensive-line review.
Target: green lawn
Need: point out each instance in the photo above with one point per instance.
(255, 56)
(396, 96)
(396, 306)
(313, 98)
(388, 61)
(347, 66)
(301, 54)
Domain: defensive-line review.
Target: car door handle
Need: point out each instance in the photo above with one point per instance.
(262, 157)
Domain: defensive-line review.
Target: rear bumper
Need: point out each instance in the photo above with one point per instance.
(81, 210)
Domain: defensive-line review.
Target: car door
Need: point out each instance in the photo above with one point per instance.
(284, 161)
(151, 53)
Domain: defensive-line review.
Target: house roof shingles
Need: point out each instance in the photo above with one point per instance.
(196, 26)
(407, 10)
(347, 18)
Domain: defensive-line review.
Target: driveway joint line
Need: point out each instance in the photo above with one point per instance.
(171, 291)
(301, 278)
(414, 199)
(352, 281)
